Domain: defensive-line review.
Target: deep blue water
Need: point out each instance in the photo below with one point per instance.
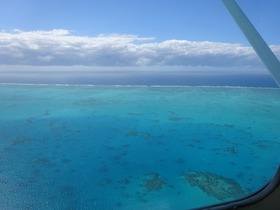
(174, 78)
(128, 147)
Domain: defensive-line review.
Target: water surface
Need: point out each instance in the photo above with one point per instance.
(128, 147)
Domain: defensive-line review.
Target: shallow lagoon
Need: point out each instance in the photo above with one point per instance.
(128, 147)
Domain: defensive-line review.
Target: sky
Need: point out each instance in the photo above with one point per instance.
(132, 33)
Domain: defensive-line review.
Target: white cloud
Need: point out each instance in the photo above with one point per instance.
(61, 48)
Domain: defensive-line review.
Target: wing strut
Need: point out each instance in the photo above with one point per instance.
(255, 39)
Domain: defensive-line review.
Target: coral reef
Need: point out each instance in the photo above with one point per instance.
(20, 140)
(124, 181)
(154, 182)
(175, 118)
(266, 144)
(134, 133)
(214, 185)
(180, 161)
(232, 150)
(131, 133)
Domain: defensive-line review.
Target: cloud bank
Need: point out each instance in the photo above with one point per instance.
(61, 48)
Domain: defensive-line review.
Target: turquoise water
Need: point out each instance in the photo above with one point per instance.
(117, 147)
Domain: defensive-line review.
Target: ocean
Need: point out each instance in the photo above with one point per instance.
(135, 141)
(169, 77)
(135, 146)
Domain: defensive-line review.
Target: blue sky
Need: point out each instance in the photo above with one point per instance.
(131, 32)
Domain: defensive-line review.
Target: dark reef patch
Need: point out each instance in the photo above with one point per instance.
(175, 118)
(215, 185)
(20, 140)
(135, 133)
(154, 182)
